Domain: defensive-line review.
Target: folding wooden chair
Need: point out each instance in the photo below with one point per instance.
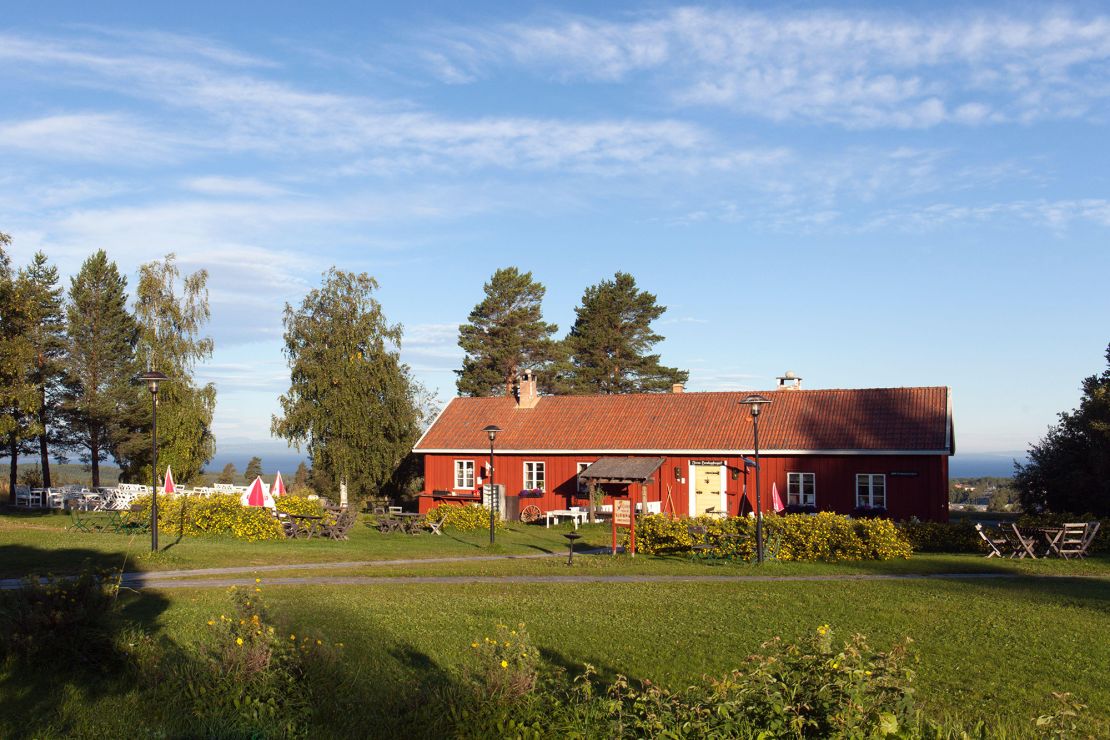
(1076, 539)
(998, 547)
(1021, 545)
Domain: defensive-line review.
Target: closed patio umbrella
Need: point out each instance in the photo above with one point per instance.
(776, 501)
(167, 486)
(278, 488)
(257, 495)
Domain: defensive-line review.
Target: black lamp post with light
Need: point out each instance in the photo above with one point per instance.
(754, 402)
(152, 378)
(491, 431)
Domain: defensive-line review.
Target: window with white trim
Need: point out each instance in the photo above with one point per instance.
(583, 486)
(534, 475)
(801, 489)
(871, 490)
(464, 474)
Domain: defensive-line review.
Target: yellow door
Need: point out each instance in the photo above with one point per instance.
(707, 489)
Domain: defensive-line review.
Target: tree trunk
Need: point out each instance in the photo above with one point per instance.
(13, 452)
(94, 452)
(44, 452)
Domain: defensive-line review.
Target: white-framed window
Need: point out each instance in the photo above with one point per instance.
(583, 486)
(464, 474)
(801, 489)
(871, 490)
(534, 475)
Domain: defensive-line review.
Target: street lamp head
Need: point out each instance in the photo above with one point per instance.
(492, 431)
(755, 401)
(152, 378)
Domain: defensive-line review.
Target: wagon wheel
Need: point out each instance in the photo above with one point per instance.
(530, 514)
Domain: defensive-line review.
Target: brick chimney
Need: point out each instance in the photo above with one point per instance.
(525, 391)
(678, 388)
(789, 381)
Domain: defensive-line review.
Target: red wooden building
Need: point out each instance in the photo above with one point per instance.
(846, 451)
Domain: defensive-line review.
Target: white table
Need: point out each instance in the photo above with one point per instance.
(556, 513)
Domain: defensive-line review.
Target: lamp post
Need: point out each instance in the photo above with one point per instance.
(152, 378)
(491, 431)
(754, 403)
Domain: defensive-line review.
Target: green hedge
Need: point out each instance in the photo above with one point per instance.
(825, 537)
(943, 536)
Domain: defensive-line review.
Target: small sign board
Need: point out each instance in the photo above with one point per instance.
(902, 474)
(624, 517)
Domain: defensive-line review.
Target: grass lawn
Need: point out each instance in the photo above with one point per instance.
(987, 649)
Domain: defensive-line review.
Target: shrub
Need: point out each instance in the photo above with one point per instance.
(942, 536)
(464, 518)
(215, 514)
(300, 506)
(503, 666)
(248, 675)
(788, 690)
(64, 618)
(825, 536)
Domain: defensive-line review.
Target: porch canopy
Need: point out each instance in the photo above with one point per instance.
(622, 470)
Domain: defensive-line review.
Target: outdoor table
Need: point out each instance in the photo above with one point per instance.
(307, 524)
(556, 513)
(1052, 536)
(410, 521)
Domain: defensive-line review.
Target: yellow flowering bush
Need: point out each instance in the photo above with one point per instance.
(215, 514)
(823, 537)
(464, 518)
(299, 505)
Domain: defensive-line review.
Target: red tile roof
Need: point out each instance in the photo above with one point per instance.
(884, 419)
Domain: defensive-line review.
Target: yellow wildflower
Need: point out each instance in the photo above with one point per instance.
(258, 580)
(238, 640)
(292, 637)
(319, 642)
(211, 621)
(473, 644)
(504, 664)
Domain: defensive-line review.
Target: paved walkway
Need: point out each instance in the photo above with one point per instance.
(155, 580)
(224, 577)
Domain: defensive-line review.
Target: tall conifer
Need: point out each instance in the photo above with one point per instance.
(42, 298)
(611, 341)
(101, 364)
(506, 333)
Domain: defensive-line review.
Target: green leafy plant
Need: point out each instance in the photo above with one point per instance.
(464, 518)
(820, 537)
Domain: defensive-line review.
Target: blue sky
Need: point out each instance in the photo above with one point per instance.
(868, 196)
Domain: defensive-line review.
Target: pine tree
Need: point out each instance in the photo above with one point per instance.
(229, 474)
(45, 328)
(18, 399)
(506, 333)
(254, 469)
(170, 342)
(351, 400)
(611, 340)
(300, 478)
(100, 364)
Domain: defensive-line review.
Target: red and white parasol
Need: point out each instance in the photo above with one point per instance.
(278, 489)
(167, 486)
(257, 495)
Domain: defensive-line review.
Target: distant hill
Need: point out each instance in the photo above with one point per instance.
(67, 474)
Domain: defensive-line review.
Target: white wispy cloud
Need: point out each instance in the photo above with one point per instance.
(860, 69)
(241, 186)
(97, 137)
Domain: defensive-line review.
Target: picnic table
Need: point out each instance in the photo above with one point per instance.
(556, 513)
(305, 525)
